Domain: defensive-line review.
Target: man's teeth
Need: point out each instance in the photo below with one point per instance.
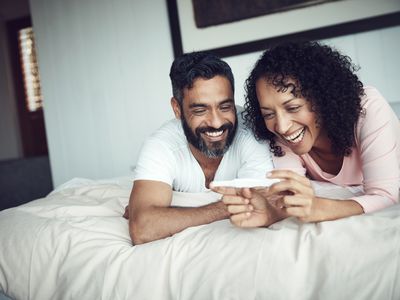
(214, 133)
(296, 137)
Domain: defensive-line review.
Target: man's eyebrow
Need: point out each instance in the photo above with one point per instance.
(230, 101)
(194, 105)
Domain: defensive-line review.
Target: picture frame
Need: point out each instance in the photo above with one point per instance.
(317, 22)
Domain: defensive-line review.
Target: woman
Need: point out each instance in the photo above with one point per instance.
(323, 125)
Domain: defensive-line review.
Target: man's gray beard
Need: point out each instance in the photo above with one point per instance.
(212, 153)
(198, 142)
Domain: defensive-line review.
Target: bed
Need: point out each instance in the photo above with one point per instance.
(74, 244)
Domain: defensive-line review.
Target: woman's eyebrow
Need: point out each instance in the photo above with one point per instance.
(287, 101)
(284, 103)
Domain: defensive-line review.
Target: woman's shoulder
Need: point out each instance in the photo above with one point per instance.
(376, 112)
(372, 97)
(375, 107)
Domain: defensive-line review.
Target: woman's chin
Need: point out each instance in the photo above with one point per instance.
(298, 148)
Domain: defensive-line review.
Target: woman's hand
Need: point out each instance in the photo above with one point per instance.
(249, 207)
(299, 199)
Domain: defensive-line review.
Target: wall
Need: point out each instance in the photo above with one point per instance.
(374, 51)
(104, 68)
(10, 145)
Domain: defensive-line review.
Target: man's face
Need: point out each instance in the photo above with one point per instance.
(208, 115)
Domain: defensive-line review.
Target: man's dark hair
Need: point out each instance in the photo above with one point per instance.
(323, 76)
(187, 68)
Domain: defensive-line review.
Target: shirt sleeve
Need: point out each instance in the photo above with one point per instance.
(378, 137)
(255, 156)
(156, 162)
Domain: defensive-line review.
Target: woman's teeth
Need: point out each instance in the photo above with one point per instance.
(296, 137)
(214, 133)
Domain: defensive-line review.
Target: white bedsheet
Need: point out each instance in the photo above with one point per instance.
(74, 244)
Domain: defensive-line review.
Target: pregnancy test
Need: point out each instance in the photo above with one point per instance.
(245, 182)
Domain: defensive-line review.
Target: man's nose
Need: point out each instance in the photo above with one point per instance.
(283, 123)
(216, 119)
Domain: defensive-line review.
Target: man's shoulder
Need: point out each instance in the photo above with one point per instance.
(170, 135)
(168, 127)
(161, 153)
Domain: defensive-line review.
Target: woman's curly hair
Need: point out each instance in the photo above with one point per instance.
(323, 76)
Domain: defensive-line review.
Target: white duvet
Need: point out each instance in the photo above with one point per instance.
(74, 244)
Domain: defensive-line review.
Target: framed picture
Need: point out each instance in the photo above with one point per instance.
(323, 20)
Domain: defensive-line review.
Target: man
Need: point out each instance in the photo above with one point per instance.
(206, 144)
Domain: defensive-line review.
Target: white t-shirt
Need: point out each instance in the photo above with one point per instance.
(166, 157)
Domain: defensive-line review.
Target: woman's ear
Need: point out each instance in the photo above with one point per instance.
(176, 108)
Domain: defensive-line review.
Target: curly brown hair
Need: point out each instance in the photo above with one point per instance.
(323, 76)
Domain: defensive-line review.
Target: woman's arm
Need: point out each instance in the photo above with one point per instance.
(378, 141)
(293, 196)
(301, 201)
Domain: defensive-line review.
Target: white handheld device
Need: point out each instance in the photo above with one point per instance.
(245, 182)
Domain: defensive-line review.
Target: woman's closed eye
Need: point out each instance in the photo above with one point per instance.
(293, 108)
(268, 116)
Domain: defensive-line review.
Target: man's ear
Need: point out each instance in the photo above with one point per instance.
(176, 108)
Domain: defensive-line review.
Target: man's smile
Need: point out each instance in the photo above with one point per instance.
(214, 133)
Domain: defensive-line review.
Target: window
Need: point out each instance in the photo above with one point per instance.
(30, 69)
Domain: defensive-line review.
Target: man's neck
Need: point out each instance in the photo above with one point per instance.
(207, 164)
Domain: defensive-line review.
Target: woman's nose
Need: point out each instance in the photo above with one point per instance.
(283, 124)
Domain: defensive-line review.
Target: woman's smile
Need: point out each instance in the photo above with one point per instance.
(295, 137)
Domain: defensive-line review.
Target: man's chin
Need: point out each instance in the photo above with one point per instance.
(214, 152)
(216, 146)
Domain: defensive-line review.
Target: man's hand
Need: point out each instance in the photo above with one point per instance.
(249, 207)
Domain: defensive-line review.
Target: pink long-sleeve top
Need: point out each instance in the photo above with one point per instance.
(375, 159)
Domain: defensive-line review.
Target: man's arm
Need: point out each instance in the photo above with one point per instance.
(151, 217)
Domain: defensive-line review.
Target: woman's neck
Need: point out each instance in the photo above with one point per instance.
(323, 155)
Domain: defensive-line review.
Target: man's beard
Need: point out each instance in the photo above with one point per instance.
(216, 149)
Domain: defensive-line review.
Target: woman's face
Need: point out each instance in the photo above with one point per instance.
(289, 117)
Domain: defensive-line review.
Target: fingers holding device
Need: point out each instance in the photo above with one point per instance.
(245, 201)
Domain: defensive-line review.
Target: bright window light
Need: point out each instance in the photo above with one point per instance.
(30, 69)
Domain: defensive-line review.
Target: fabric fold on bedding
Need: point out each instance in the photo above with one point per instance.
(75, 244)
